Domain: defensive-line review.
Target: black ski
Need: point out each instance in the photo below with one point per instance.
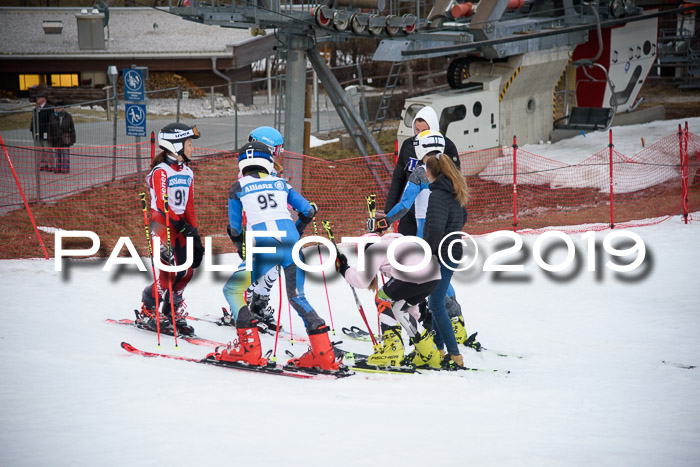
(679, 365)
(340, 373)
(363, 366)
(358, 362)
(358, 334)
(471, 343)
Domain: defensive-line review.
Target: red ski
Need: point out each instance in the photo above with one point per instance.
(188, 338)
(271, 369)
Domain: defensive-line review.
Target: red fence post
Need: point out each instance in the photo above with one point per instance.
(612, 197)
(515, 185)
(683, 144)
(24, 198)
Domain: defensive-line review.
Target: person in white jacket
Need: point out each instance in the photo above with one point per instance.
(397, 301)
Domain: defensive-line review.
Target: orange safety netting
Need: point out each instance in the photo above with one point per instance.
(101, 191)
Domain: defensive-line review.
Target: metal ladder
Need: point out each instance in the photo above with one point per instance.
(385, 102)
(279, 88)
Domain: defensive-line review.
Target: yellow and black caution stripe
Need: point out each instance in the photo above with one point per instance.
(509, 82)
(554, 91)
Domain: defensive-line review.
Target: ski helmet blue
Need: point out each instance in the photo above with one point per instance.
(269, 136)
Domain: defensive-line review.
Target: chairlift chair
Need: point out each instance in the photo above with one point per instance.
(587, 118)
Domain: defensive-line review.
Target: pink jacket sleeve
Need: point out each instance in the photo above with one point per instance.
(362, 279)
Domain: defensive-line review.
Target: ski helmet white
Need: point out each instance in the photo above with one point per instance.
(256, 154)
(172, 138)
(429, 141)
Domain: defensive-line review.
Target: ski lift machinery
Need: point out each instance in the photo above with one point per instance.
(512, 50)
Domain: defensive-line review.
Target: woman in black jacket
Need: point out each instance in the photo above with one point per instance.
(446, 214)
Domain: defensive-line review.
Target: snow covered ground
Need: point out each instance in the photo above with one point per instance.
(628, 140)
(591, 387)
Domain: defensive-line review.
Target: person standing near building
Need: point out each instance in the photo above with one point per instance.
(39, 128)
(61, 132)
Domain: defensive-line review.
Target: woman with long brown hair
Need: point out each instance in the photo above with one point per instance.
(446, 214)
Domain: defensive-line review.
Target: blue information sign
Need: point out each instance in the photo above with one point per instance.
(133, 85)
(135, 119)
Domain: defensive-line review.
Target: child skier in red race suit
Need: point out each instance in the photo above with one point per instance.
(171, 175)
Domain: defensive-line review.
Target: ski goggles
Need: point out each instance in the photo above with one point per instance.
(191, 133)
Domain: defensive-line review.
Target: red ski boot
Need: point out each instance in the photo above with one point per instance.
(246, 349)
(320, 354)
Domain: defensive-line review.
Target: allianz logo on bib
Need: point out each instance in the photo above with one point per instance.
(179, 180)
(254, 187)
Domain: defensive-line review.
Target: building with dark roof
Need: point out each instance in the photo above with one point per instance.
(74, 47)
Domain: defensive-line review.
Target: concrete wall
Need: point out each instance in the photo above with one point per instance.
(526, 95)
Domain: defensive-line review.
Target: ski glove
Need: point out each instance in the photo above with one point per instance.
(167, 255)
(185, 229)
(198, 248)
(377, 224)
(305, 220)
(341, 264)
(237, 240)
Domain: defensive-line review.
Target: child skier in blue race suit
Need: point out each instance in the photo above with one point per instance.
(258, 293)
(264, 198)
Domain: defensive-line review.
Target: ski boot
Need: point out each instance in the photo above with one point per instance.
(246, 349)
(320, 354)
(472, 343)
(263, 313)
(459, 329)
(266, 319)
(180, 317)
(452, 362)
(426, 319)
(146, 318)
(227, 319)
(426, 353)
(390, 351)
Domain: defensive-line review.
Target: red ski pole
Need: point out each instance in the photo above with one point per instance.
(291, 330)
(279, 315)
(170, 282)
(328, 298)
(153, 266)
(329, 231)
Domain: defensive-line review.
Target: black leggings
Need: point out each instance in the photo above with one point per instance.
(403, 296)
(412, 293)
